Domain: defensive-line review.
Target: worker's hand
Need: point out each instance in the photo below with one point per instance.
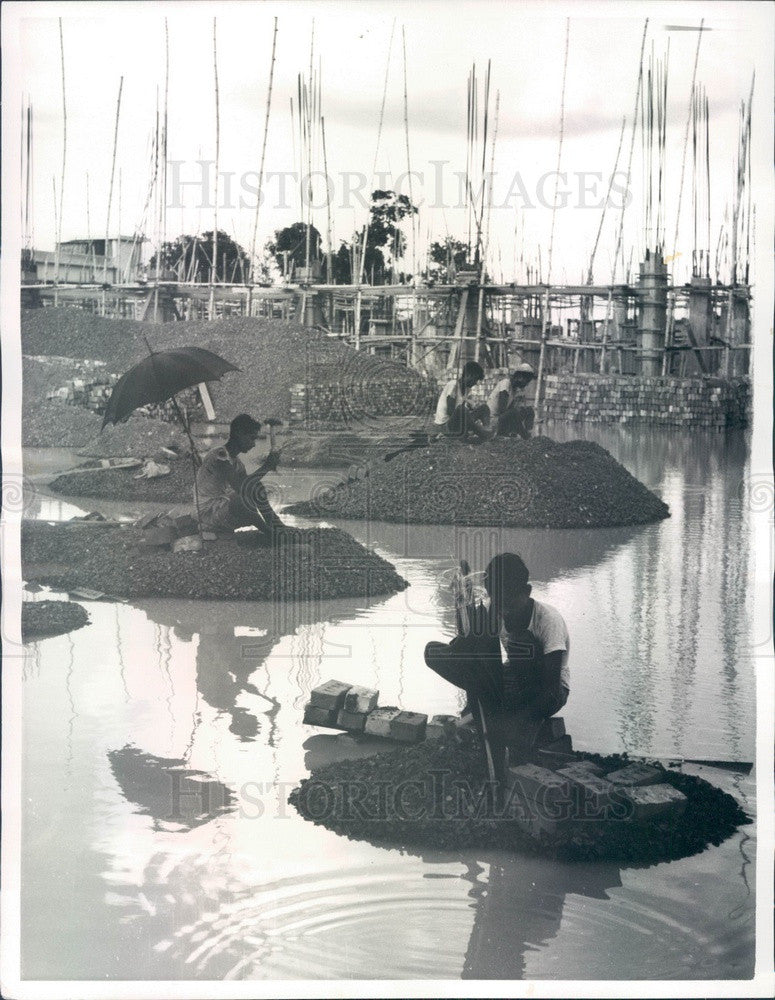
(271, 461)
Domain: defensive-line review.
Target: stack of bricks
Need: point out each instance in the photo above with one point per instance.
(549, 802)
(701, 401)
(353, 709)
(93, 392)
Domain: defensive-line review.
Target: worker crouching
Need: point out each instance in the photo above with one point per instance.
(509, 700)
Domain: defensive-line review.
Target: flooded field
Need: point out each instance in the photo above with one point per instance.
(161, 741)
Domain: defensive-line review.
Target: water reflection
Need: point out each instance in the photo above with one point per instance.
(165, 789)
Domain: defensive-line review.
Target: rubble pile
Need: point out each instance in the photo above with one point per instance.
(302, 565)
(42, 619)
(436, 794)
(506, 482)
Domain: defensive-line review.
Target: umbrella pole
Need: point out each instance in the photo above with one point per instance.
(194, 461)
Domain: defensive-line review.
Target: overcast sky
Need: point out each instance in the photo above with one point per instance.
(525, 43)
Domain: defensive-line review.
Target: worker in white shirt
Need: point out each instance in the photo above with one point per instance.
(509, 413)
(455, 416)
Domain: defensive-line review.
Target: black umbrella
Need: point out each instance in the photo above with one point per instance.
(159, 376)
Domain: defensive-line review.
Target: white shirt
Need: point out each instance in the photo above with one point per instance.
(450, 391)
(548, 626)
(493, 401)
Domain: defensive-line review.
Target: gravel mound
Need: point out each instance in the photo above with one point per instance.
(314, 565)
(272, 354)
(52, 423)
(436, 794)
(506, 482)
(42, 619)
(120, 484)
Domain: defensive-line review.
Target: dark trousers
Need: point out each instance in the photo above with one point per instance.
(467, 420)
(517, 420)
(511, 721)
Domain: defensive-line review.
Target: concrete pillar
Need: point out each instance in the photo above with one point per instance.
(701, 317)
(652, 312)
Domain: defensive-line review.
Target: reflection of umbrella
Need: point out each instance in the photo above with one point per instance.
(159, 376)
(167, 790)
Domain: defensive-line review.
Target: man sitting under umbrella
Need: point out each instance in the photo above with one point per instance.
(227, 496)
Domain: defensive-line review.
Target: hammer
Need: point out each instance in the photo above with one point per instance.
(271, 423)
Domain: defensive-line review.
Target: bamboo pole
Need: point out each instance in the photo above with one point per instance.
(686, 138)
(214, 267)
(110, 189)
(559, 150)
(329, 257)
(64, 156)
(408, 161)
(263, 148)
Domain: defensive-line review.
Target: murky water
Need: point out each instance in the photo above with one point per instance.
(161, 741)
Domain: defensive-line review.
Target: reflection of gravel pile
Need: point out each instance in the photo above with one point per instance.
(534, 483)
(177, 487)
(409, 797)
(46, 618)
(329, 564)
(272, 354)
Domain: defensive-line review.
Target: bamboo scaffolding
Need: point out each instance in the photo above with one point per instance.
(263, 148)
(110, 189)
(64, 157)
(214, 268)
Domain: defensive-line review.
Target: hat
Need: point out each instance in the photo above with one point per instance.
(243, 423)
(524, 368)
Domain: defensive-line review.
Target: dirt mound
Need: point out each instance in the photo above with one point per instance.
(313, 565)
(42, 619)
(436, 794)
(506, 482)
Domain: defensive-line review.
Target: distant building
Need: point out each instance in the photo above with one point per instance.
(82, 261)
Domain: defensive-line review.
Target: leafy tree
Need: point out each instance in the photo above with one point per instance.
(191, 258)
(292, 241)
(447, 258)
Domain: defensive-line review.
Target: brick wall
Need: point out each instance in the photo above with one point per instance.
(702, 401)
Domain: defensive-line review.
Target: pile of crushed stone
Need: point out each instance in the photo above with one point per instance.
(272, 354)
(109, 484)
(42, 619)
(315, 564)
(505, 482)
(436, 794)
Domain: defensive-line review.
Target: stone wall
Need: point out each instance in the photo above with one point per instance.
(335, 405)
(703, 401)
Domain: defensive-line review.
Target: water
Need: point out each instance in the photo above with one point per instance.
(161, 741)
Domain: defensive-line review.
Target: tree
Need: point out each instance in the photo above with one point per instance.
(190, 258)
(291, 244)
(446, 259)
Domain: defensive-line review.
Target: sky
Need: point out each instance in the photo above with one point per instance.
(525, 44)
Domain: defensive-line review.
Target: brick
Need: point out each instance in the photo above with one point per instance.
(551, 730)
(535, 781)
(316, 716)
(378, 721)
(408, 727)
(361, 699)
(329, 695)
(439, 725)
(563, 745)
(636, 774)
(353, 722)
(581, 768)
(593, 794)
(649, 801)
